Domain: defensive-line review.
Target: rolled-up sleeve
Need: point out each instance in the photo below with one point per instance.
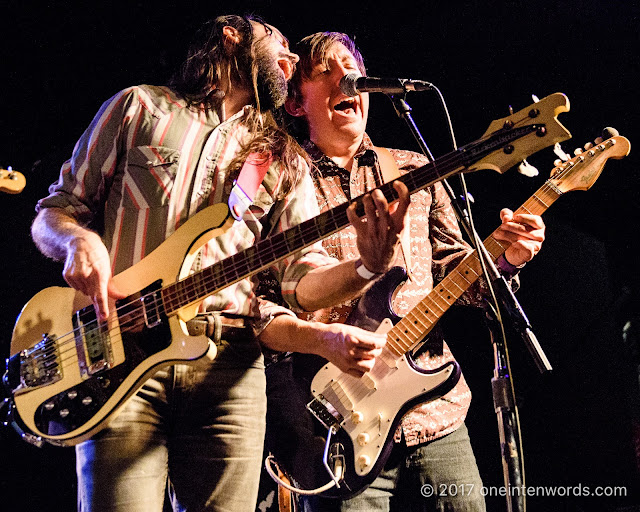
(299, 206)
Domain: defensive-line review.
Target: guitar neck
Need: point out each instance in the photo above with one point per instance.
(422, 318)
(276, 247)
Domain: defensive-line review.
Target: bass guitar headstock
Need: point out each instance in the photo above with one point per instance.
(523, 133)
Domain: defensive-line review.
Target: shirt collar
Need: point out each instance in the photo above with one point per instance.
(319, 158)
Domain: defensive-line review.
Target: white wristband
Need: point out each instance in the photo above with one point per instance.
(364, 272)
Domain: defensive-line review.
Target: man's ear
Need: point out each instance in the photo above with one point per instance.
(293, 108)
(231, 37)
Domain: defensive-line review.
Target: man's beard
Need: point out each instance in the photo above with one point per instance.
(272, 85)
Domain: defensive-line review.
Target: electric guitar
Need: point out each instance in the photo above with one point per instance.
(68, 374)
(308, 396)
(11, 182)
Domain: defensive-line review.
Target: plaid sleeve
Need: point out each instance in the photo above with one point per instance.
(300, 205)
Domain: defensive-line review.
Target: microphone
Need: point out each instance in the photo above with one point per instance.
(352, 85)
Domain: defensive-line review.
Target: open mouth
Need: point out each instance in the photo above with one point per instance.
(346, 105)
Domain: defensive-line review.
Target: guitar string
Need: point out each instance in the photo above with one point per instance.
(548, 191)
(419, 314)
(415, 177)
(350, 386)
(174, 286)
(122, 326)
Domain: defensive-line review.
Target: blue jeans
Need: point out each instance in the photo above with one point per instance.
(199, 429)
(439, 476)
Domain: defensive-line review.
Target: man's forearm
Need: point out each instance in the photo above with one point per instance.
(330, 285)
(53, 230)
(287, 333)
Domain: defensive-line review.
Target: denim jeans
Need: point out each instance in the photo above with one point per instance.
(199, 429)
(439, 476)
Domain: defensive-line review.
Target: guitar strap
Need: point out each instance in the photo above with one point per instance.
(246, 185)
(286, 500)
(390, 172)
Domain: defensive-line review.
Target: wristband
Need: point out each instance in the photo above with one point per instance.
(364, 272)
(506, 266)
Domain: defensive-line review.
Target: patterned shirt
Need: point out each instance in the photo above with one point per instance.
(436, 248)
(148, 162)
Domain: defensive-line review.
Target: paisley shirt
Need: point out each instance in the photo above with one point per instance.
(436, 248)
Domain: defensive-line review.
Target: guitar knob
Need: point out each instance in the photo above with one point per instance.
(363, 438)
(364, 461)
(578, 151)
(357, 417)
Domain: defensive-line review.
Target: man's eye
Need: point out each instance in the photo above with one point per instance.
(321, 71)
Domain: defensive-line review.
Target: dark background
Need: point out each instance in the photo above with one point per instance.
(61, 61)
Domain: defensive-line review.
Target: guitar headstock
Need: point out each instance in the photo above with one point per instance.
(11, 182)
(582, 171)
(525, 132)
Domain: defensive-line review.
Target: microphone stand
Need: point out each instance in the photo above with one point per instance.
(502, 389)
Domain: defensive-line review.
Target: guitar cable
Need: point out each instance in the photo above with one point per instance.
(336, 474)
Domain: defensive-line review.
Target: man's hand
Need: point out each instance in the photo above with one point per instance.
(351, 349)
(525, 232)
(379, 229)
(87, 268)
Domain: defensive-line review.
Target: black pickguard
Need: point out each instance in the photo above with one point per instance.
(82, 402)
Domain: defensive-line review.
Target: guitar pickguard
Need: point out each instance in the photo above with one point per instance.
(307, 395)
(147, 334)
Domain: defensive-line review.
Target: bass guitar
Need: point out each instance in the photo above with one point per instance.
(309, 397)
(68, 374)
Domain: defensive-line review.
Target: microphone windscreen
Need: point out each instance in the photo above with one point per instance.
(348, 84)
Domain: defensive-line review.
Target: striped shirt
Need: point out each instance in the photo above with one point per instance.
(148, 162)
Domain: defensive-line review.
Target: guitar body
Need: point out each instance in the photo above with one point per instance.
(370, 408)
(69, 377)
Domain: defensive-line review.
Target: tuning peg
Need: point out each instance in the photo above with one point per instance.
(526, 169)
(468, 199)
(557, 149)
(607, 133)
(535, 98)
